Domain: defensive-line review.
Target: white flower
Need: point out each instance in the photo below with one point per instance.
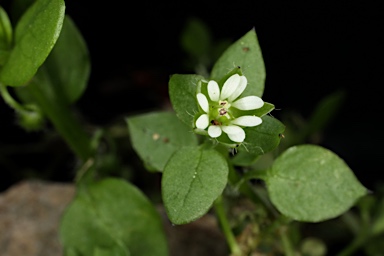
(218, 116)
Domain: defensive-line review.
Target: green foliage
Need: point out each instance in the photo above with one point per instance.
(45, 60)
(156, 136)
(310, 183)
(193, 178)
(5, 36)
(244, 53)
(182, 92)
(35, 35)
(112, 217)
(68, 64)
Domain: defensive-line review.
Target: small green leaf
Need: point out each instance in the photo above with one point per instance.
(265, 137)
(68, 64)
(196, 39)
(156, 136)
(35, 35)
(310, 183)
(112, 216)
(192, 180)
(324, 112)
(245, 53)
(182, 93)
(5, 31)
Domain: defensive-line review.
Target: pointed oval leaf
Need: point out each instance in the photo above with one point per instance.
(264, 137)
(68, 63)
(156, 136)
(35, 35)
(245, 53)
(5, 31)
(310, 183)
(182, 93)
(114, 216)
(192, 180)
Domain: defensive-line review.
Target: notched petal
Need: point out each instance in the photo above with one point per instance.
(213, 90)
(214, 131)
(202, 122)
(203, 102)
(235, 133)
(240, 89)
(230, 86)
(248, 121)
(248, 103)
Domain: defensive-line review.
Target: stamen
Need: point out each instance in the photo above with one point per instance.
(215, 122)
(222, 111)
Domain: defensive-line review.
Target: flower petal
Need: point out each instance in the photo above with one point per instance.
(202, 122)
(248, 103)
(203, 102)
(235, 133)
(214, 131)
(230, 86)
(248, 121)
(240, 89)
(213, 90)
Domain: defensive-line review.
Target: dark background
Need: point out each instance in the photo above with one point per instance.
(310, 49)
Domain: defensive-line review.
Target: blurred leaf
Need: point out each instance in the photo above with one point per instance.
(196, 39)
(112, 216)
(5, 36)
(66, 69)
(182, 93)
(35, 35)
(192, 180)
(324, 112)
(245, 53)
(68, 64)
(5, 31)
(310, 183)
(18, 7)
(156, 136)
(42, 92)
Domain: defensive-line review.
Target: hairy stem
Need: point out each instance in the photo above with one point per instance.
(231, 240)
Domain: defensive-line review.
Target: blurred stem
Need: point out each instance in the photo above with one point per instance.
(246, 189)
(287, 245)
(231, 240)
(9, 100)
(363, 234)
(64, 121)
(60, 115)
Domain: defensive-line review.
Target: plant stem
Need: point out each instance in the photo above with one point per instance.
(9, 100)
(231, 240)
(287, 245)
(59, 114)
(64, 121)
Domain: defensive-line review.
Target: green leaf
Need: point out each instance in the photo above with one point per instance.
(182, 93)
(5, 31)
(259, 140)
(112, 216)
(43, 92)
(156, 136)
(192, 180)
(68, 64)
(310, 183)
(196, 39)
(245, 53)
(264, 137)
(325, 112)
(5, 36)
(35, 35)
